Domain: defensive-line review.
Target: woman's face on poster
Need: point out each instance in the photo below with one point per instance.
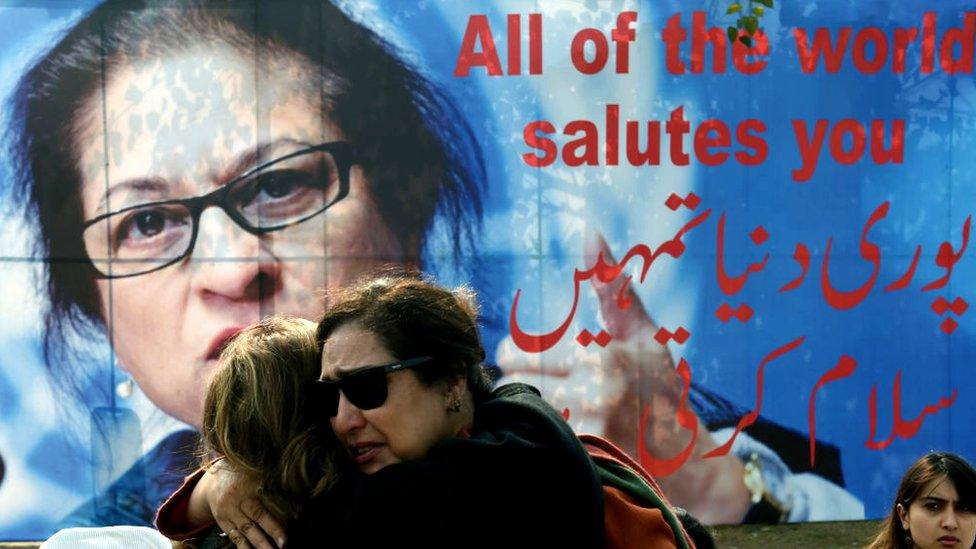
(181, 126)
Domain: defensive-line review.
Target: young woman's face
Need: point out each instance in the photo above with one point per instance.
(182, 126)
(937, 519)
(413, 418)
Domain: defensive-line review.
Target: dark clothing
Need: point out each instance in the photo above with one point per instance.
(135, 496)
(522, 479)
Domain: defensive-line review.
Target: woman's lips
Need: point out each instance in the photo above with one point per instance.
(365, 453)
(218, 342)
(949, 541)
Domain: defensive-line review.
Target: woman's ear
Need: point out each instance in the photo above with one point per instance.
(902, 515)
(455, 394)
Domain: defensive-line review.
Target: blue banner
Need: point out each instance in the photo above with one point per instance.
(724, 249)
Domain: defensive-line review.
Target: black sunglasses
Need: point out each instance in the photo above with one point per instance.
(365, 388)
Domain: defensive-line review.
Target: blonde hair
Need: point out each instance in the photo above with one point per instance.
(256, 416)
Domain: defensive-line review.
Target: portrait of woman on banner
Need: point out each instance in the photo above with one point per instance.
(191, 167)
(191, 170)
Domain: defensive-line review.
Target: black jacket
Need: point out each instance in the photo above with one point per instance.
(521, 480)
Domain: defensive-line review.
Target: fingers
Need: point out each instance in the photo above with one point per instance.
(238, 539)
(246, 534)
(229, 531)
(253, 536)
(238, 511)
(621, 308)
(264, 522)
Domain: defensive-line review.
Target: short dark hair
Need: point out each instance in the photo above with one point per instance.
(413, 144)
(415, 317)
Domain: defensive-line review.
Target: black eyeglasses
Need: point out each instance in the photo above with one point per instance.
(365, 388)
(283, 192)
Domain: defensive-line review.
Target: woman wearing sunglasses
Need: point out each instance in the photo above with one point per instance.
(428, 454)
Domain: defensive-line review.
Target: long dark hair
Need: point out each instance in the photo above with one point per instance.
(413, 144)
(929, 467)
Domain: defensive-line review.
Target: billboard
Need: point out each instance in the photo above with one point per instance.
(724, 255)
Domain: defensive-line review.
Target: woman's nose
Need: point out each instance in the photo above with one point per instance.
(232, 263)
(950, 520)
(348, 417)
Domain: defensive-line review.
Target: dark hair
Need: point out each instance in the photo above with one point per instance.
(414, 146)
(255, 414)
(415, 317)
(929, 467)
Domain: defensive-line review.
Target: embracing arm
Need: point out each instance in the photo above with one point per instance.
(219, 495)
(174, 518)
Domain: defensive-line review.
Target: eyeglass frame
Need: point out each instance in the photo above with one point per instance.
(319, 384)
(342, 152)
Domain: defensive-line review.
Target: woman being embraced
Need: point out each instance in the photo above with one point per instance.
(935, 506)
(426, 448)
(255, 416)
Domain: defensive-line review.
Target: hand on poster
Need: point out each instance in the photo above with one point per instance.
(630, 392)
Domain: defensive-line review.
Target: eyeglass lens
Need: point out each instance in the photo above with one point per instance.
(141, 238)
